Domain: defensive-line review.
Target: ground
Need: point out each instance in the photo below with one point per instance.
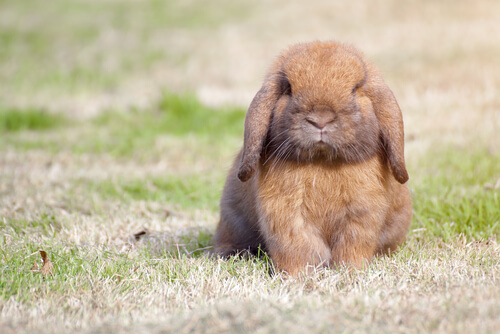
(119, 120)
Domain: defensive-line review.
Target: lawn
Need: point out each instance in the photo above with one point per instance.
(120, 119)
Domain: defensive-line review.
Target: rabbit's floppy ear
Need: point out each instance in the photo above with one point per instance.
(391, 125)
(257, 122)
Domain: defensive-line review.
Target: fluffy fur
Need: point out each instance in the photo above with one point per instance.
(321, 177)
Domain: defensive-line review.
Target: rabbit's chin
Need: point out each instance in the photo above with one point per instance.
(321, 151)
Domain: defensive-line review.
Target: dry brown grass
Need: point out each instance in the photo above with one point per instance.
(430, 288)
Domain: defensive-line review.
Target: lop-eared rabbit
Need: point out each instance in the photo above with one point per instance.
(321, 178)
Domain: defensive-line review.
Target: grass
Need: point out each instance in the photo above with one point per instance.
(108, 165)
(128, 133)
(459, 195)
(186, 191)
(14, 120)
(449, 263)
(102, 43)
(45, 225)
(176, 115)
(242, 296)
(476, 217)
(123, 134)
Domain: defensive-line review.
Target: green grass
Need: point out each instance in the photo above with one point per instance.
(457, 168)
(126, 133)
(45, 224)
(476, 217)
(454, 194)
(14, 120)
(185, 191)
(79, 268)
(175, 115)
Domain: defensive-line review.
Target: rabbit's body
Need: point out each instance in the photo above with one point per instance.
(322, 165)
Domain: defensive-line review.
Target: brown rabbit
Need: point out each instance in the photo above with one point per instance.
(321, 176)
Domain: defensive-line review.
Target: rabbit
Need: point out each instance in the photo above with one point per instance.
(321, 178)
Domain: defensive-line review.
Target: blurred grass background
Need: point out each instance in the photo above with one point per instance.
(119, 116)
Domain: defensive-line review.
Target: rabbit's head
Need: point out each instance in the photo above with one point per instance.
(322, 102)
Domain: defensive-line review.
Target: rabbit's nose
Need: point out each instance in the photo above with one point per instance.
(321, 116)
(317, 124)
(320, 121)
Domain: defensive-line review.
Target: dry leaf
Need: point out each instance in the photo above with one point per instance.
(47, 268)
(138, 235)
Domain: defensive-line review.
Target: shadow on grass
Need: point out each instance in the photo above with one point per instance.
(196, 243)
(192, 242)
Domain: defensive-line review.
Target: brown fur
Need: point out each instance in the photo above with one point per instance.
(321, 176)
